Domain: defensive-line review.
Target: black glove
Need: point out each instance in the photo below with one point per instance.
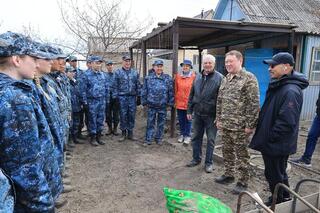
(86, 107)
(116, 101)
(138, 100)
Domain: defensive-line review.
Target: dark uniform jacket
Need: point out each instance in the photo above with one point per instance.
(203, 94)
(278, 122)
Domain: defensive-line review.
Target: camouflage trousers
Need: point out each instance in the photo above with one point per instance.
(76, 123)
(96, 115)
(128, 108)
(155, 115)
(235, 154)
(52, 172)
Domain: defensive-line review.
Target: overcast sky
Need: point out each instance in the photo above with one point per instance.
(43, 15)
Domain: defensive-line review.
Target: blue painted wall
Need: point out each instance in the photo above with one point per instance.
(253, 62)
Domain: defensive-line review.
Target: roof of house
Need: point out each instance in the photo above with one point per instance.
(205, 14)
(201, 33)
(303, 13)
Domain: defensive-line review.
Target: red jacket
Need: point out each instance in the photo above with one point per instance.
(182, 90)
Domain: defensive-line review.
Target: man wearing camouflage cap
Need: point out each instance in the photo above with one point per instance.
(126, 88)
(157, 95)
(237, 114)
(112, 107)
(74, 74)
(59, 76)
(26, 144)
(94, 92)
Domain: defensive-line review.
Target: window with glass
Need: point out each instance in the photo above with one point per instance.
(315, 65)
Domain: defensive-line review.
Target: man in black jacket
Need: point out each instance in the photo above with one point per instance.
(313, 136)
(202, 102)
(278, 124)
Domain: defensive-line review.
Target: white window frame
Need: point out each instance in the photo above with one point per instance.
(313, 61)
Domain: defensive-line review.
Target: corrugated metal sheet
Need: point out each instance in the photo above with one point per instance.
(311, 41)
(310, 96)
(303, 13)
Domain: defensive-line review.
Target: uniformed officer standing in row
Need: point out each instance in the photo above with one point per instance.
(112, 107)
(60, 78)
(126, 88)
(94, 92)
(26, 143)
(74, 75)
(157, 95)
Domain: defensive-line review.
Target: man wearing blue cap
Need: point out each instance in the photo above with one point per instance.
(278, 124)
(74, 75)
(152, 70)
(94, 94)
(126, 88)
(59, 76)
(48, 99)
(26, 147)
(157, 94)
(112, 107)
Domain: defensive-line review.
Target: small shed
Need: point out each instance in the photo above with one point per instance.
(200, 34)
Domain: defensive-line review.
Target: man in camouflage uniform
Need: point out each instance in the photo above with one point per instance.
(112, 107)
(94, 92)
(59, 76)
(126, 88)
(26, 144)
(157, 95)
(74, 75)
(237, 114)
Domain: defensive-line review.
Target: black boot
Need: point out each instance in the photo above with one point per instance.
(109, 132)
(98, 139)
(75, 140)
(115, 130)
(93, 141)
(130, 136)
(123, 136)
(80, 136)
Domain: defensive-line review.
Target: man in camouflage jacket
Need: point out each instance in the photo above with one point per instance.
(237, 113)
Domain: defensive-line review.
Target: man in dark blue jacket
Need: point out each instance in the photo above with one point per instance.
(278, 125)
(202, 109)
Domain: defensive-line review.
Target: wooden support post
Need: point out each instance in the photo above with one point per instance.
(291, 42)
(175, 52)
(200, 59)
(131, 53)
(144, 59)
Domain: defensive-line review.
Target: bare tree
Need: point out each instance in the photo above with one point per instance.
(100, 26)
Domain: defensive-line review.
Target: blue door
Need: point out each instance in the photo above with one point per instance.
(253, 62)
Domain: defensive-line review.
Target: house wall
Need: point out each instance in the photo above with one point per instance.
(310, 43)
(311, 93)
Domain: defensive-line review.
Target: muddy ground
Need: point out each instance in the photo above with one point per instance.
(127, 177)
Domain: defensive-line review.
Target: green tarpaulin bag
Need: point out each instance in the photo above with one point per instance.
(180, 201)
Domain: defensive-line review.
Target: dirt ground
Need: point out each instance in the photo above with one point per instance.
(127, 177)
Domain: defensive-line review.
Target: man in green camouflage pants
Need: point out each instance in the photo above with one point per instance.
(237, 113)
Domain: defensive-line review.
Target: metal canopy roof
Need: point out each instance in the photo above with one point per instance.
(202, 34)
